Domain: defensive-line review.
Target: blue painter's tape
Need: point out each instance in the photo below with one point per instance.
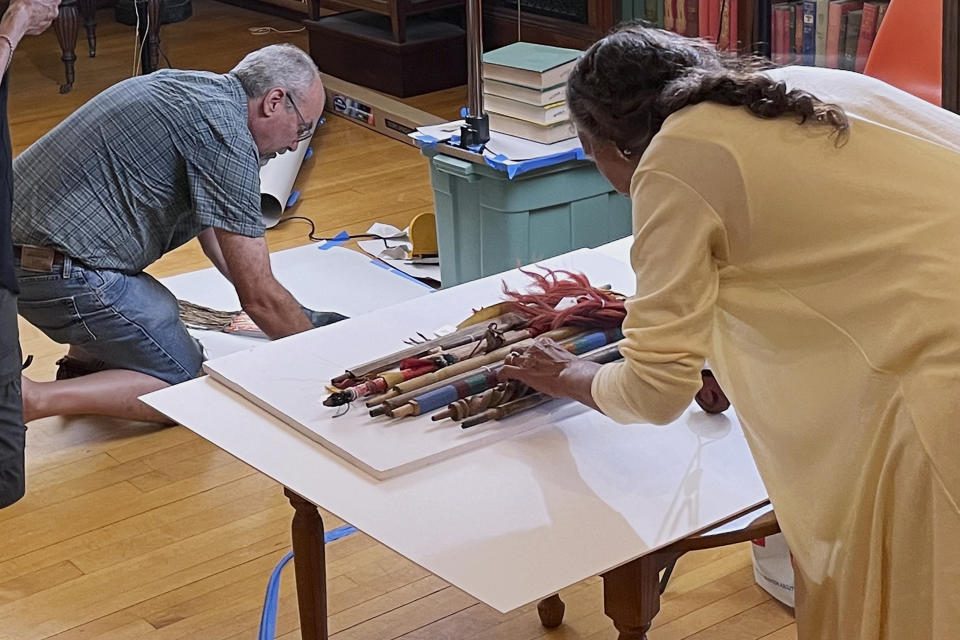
(292, 200)
(337, 240)
(268, 619)
(339, 532)
(308, 154)
(464, 112)
(499, 162)
(384, 265)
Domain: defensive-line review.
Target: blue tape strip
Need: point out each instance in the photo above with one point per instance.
(268, 619)
(308, 154)
(384, 265)
(513, 170)
(339, 532)
(292, 200)
(337, 240)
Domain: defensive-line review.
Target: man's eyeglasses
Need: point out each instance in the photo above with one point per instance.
(304, 128)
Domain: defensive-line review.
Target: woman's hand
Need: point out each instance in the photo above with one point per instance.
(548, 367)
(28, 17)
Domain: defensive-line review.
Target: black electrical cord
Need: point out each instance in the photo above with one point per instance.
(313, 230)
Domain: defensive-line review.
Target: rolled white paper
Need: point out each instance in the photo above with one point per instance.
(276, 182)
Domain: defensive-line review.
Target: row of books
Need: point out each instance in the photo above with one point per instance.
(713, 20)
(825, 33)
(524, 91)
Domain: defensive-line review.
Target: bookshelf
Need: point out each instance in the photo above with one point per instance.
(751, 12)
(562, 23)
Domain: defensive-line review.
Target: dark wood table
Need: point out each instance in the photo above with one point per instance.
(631, 592)
(67, 25)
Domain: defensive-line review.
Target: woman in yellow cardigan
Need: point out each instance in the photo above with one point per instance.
(800, 228)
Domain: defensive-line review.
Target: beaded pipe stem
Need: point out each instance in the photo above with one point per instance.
(429, 401)
(478, 412)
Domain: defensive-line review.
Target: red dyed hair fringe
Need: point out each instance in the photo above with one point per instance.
(594, 308)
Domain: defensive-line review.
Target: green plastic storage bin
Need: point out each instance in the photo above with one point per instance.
(487, 223)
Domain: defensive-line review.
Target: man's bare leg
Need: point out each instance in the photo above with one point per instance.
(113, 392)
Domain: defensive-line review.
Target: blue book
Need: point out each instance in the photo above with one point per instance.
(809, 50)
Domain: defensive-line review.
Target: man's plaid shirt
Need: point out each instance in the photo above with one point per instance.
(140, 169)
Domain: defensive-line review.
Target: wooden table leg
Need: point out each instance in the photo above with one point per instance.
(66, 28)
(88, 8)
(151, 53)
(631, 595)
(309, 561)
(551, 611)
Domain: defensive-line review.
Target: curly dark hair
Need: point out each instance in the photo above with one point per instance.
(625, 86)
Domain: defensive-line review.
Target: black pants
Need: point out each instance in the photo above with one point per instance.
(12, 430)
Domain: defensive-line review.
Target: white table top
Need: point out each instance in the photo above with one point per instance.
(517, 520)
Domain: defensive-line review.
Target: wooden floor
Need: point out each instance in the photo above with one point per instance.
(130, 531)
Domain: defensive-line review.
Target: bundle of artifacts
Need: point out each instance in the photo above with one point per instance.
(458, 373)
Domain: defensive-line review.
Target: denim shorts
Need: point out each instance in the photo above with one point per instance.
(110, 319)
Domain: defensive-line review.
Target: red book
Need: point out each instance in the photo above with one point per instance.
(708, 26)
(834, 22)
(780, 51)
(669, 17)
(730, 17)
(868, 31)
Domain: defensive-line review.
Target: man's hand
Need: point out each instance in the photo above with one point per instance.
(548, 367)
(264, 299)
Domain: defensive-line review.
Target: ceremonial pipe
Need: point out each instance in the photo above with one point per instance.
(456, 339)
(474, 363)
(508, 409)
(603, 355)
(379, 386)
(467, 366)
(429, 401)
(466, 407)
(396, 401)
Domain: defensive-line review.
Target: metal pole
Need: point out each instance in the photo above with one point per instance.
(475, 57)
(476, 131)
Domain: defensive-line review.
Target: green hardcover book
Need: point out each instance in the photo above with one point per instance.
(850, 38)
(656, 12)
(537, 66)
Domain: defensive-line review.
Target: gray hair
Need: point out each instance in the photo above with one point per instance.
(277, 65)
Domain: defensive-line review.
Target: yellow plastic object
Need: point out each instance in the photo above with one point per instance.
(423, 236)
(484, 314)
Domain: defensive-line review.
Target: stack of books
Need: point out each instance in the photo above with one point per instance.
(524, 91)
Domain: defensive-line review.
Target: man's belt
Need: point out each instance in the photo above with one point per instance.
(40, 259)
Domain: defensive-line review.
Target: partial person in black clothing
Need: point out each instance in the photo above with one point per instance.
(23, 17)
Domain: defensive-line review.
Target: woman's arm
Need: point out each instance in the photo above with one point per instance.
(23, 17)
